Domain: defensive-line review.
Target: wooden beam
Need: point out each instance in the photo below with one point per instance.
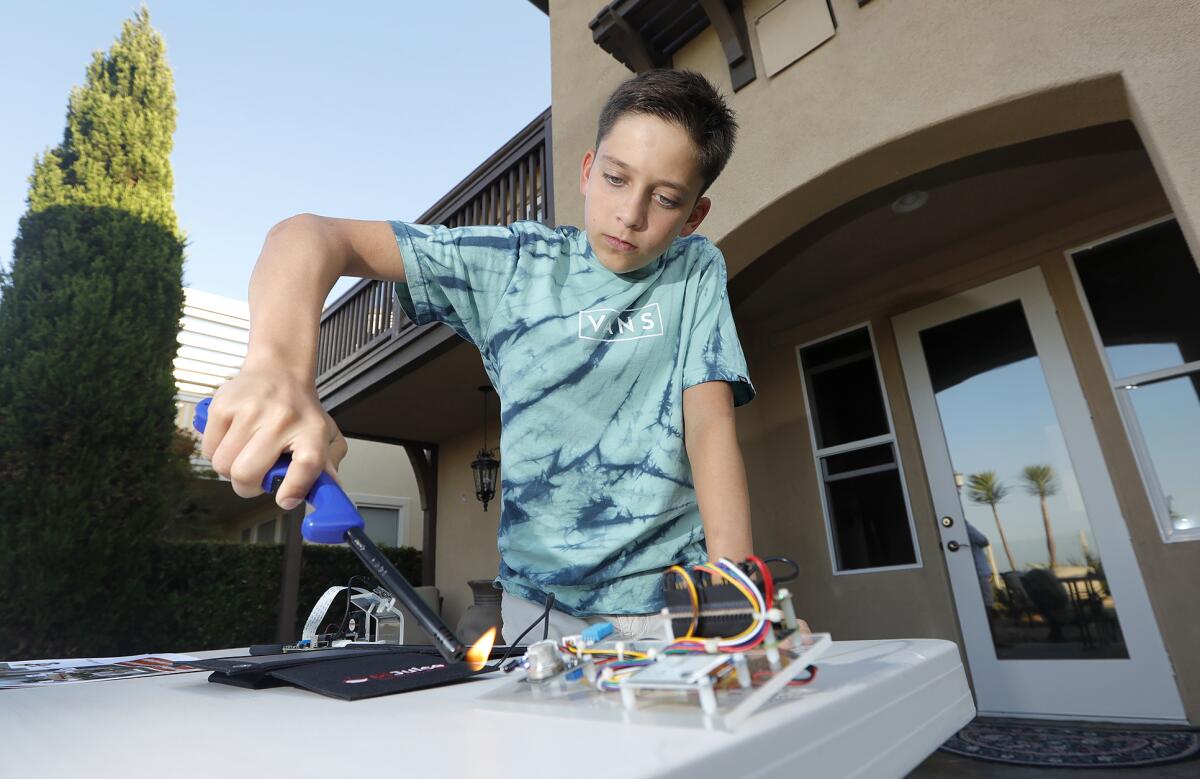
(625, 42)
(424, 461)
(729, 20)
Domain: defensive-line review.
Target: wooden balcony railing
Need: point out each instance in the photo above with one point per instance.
(514, 184)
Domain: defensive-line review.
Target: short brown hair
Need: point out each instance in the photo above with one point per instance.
(684, 98)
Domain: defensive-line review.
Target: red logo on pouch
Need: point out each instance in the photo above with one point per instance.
(392, 674)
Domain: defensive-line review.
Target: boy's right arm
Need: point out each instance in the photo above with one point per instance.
(271, 406)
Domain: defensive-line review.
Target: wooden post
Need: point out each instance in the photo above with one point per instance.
(289, 584)
(424, 461)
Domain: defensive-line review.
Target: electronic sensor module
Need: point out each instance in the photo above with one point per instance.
(731, 643)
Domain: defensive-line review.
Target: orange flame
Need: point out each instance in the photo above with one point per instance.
(477, 655)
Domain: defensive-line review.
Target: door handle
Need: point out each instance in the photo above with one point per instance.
(953, 546)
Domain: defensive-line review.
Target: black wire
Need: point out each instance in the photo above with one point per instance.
(349, 593)
(544, 616)
(786, 561)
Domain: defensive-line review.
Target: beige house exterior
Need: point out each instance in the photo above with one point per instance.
(1024, 133)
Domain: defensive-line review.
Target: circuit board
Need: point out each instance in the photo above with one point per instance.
(673, 688)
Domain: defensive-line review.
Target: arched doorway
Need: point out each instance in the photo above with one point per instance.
(869, 263)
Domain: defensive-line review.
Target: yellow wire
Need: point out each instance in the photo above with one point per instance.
(742, 589)
(687, 579)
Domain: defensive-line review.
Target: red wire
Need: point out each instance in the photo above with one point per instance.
(746, 647)
(812, 674)
(768, 581)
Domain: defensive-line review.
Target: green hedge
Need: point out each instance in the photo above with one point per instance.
(212, 595)
(219, 595)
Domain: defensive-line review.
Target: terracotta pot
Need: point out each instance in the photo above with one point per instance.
(484, 613)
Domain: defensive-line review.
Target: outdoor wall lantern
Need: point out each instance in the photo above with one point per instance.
(485, 466)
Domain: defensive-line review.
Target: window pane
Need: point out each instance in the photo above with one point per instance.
(1168, 414)
(870, 523)
(856, 343)
(1142, 290)
(870, 457)
(381, 524)
(265, 533)
(1043, 584)
(844, 394)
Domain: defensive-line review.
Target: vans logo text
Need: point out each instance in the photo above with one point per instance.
(608, 324)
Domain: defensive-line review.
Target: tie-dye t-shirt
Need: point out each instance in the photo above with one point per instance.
(590, 367)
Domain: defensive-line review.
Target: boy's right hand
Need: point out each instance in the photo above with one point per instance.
(271, 407)
(260, 414)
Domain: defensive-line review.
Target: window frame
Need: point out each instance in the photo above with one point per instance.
(274, 535)
(865, 443)
(1125, 410)
(400, 505)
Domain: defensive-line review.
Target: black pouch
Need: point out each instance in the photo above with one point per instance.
(373, 671)
(254, 671)
(355, 678)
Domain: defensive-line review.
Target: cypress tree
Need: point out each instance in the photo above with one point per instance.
(89, 315)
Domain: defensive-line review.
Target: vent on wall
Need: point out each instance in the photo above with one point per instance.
(790, 30)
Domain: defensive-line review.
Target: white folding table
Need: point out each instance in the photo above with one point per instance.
(877, 709)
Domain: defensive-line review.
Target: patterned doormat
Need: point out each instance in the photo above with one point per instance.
(1061, 746)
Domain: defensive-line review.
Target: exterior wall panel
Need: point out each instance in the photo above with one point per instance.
(904, 87)
(466, 533)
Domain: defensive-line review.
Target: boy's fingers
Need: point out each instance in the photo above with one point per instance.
(251, 463)
(232, 444)
(338, 449)
(214, 432)
(332, 470)
(335, 452)
(308, 460)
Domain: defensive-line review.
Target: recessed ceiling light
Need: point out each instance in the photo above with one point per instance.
(910, 202)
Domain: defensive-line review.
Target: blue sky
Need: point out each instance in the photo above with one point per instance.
(1002, 421)
(372, 111)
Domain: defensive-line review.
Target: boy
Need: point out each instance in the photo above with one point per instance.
(612, 349)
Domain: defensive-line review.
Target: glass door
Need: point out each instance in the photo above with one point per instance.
(1055, 617)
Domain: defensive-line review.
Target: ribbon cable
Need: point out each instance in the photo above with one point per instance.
(321, 608)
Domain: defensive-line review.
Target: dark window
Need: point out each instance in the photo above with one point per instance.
(843, 390)
(1143, 290)
(1144, 293)
(265, 533)
(863, 492)
(382, 524)
(871, 528)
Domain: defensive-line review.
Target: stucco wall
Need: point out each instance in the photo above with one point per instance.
(466, 536)
(903, 87)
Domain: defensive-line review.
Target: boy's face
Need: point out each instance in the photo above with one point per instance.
(640, 191)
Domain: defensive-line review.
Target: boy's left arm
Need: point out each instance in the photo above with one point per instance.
(710, 437)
